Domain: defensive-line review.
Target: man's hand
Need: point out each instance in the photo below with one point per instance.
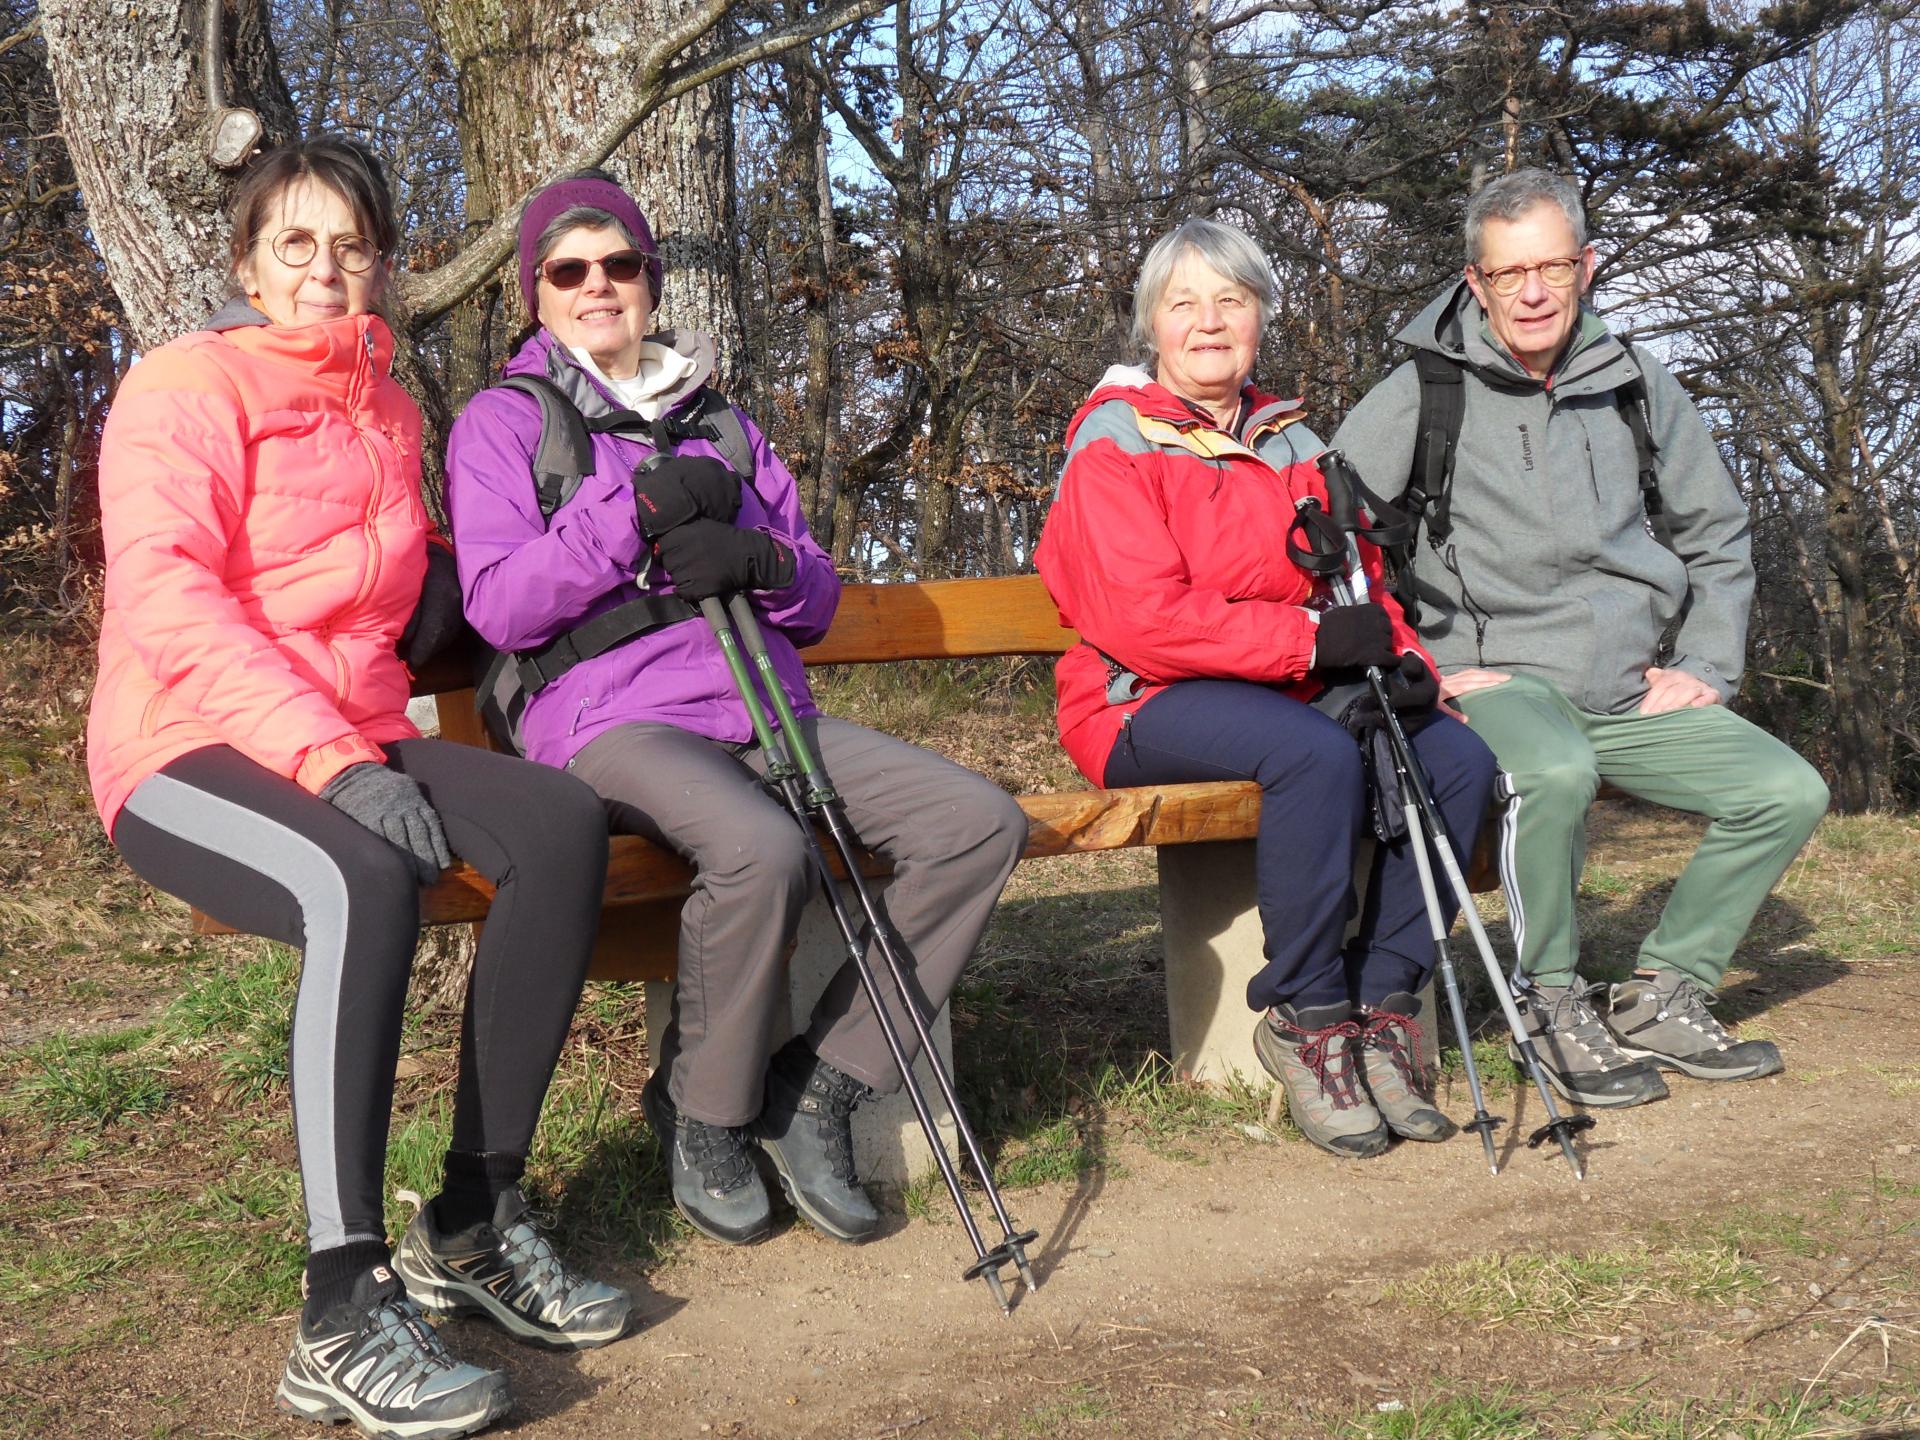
(1675, 690)
(1465, 682)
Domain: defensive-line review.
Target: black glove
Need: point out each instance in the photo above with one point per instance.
(1354, 635)
(705, 558)
(683, 488)
(1413, 689)
(391, 805)
(436, 615)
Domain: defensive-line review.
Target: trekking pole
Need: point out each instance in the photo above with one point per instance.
(789, 759)
(1483, 1121)
(1349, 588)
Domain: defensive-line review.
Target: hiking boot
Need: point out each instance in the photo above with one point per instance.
(1576, 1050)
(1390, 1066)
(1310, 1053)
(374, 1360)
(506, 1270)
(807, 1131)
(1665, 1022)
(714, 1183)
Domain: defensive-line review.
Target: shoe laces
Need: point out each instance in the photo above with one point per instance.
(718, 1152)
(1325, 1054)
(1574, 1015)
(1687, 1002)
(524, 1243)
(397, 1325)
(838, 1094)
(1379, 1034)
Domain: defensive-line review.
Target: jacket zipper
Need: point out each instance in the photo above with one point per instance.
(373, 487)
(579, 714)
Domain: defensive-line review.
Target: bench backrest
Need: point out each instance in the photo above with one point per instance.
(925, 620)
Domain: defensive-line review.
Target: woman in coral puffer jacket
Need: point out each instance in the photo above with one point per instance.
(270, 578)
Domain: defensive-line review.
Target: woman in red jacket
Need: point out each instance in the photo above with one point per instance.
(269, 581)
(1203, 647)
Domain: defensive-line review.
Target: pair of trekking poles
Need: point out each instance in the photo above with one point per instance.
(1329, 552)
(803, 786)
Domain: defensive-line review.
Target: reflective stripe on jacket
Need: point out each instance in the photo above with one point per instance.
(265, 547)
(1166, 549)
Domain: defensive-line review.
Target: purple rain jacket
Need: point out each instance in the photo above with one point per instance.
(526, 580)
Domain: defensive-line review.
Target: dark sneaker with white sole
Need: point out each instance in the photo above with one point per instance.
(1395, 1078)
(1665, 1022)
(1311, 1053)
(806, 1128)
(1578, 1053)
(373, 1359)
(714, 1183)
(507, 1270)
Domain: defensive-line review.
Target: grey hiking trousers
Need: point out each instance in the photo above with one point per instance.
(953, 837)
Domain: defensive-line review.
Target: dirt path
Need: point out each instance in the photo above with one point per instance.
(1244, 1295)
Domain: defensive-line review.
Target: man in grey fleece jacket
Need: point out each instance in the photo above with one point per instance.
(1583, 649)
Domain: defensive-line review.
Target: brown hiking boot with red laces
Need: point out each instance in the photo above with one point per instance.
(1390, 1064)
(1311, 1053)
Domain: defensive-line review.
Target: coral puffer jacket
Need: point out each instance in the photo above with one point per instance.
(265, 546)
(1166, 548)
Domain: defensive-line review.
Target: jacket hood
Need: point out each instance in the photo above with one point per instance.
(545, 356)
(1455, 325)
(237, 313)
(1133, 386)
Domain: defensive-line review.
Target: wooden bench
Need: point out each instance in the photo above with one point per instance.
(1203, 832)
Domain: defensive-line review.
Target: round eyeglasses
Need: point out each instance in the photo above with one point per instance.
(1508, 279)
(354, 254)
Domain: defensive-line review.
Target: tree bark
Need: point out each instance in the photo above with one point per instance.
(134, 115)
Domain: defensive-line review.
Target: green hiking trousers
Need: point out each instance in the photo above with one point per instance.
(1762, 798)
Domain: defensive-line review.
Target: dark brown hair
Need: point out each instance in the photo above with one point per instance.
(344, 166)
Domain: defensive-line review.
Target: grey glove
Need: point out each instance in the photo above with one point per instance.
(391, 805)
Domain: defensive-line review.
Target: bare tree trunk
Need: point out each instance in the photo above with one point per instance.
(537, 74)
(134, 115)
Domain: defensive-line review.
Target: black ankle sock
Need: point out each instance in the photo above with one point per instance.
(331, 1273)
(475, 1180)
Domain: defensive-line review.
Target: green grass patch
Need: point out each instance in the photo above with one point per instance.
(245, 1013)
(1579, 1293)
(1449, 1417)
(97, 1080)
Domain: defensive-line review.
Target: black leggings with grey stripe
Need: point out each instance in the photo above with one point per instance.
(257, 852)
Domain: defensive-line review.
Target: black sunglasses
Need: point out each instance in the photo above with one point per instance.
(622, 267)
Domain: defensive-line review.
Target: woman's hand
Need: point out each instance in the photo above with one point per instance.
(682, 488)
(1354, 635)
(394, 808)
(705, 558)
(436, 615)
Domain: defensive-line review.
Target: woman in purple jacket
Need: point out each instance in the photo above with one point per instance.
(654, 724)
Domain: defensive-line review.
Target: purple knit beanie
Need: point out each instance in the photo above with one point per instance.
(563, 195)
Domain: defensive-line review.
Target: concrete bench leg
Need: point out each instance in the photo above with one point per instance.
(1210, 931)
(890, 1150)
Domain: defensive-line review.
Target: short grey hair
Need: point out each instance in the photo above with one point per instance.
(1225, 249)
(1513, 196)
(577, 217)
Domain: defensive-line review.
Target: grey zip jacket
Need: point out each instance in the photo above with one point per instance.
(1552, 569)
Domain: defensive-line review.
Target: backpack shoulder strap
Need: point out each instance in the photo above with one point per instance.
(714, 420)
(564, 455)
(1635, 409)
(1443, 409)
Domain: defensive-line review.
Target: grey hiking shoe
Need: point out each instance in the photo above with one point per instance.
(1390, 1065)
(1665, 1022)
(714, 1183)
(507, 1271)
(374, 1360)
(1310, 1052)
(1578, 1052)
(806, 1129)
